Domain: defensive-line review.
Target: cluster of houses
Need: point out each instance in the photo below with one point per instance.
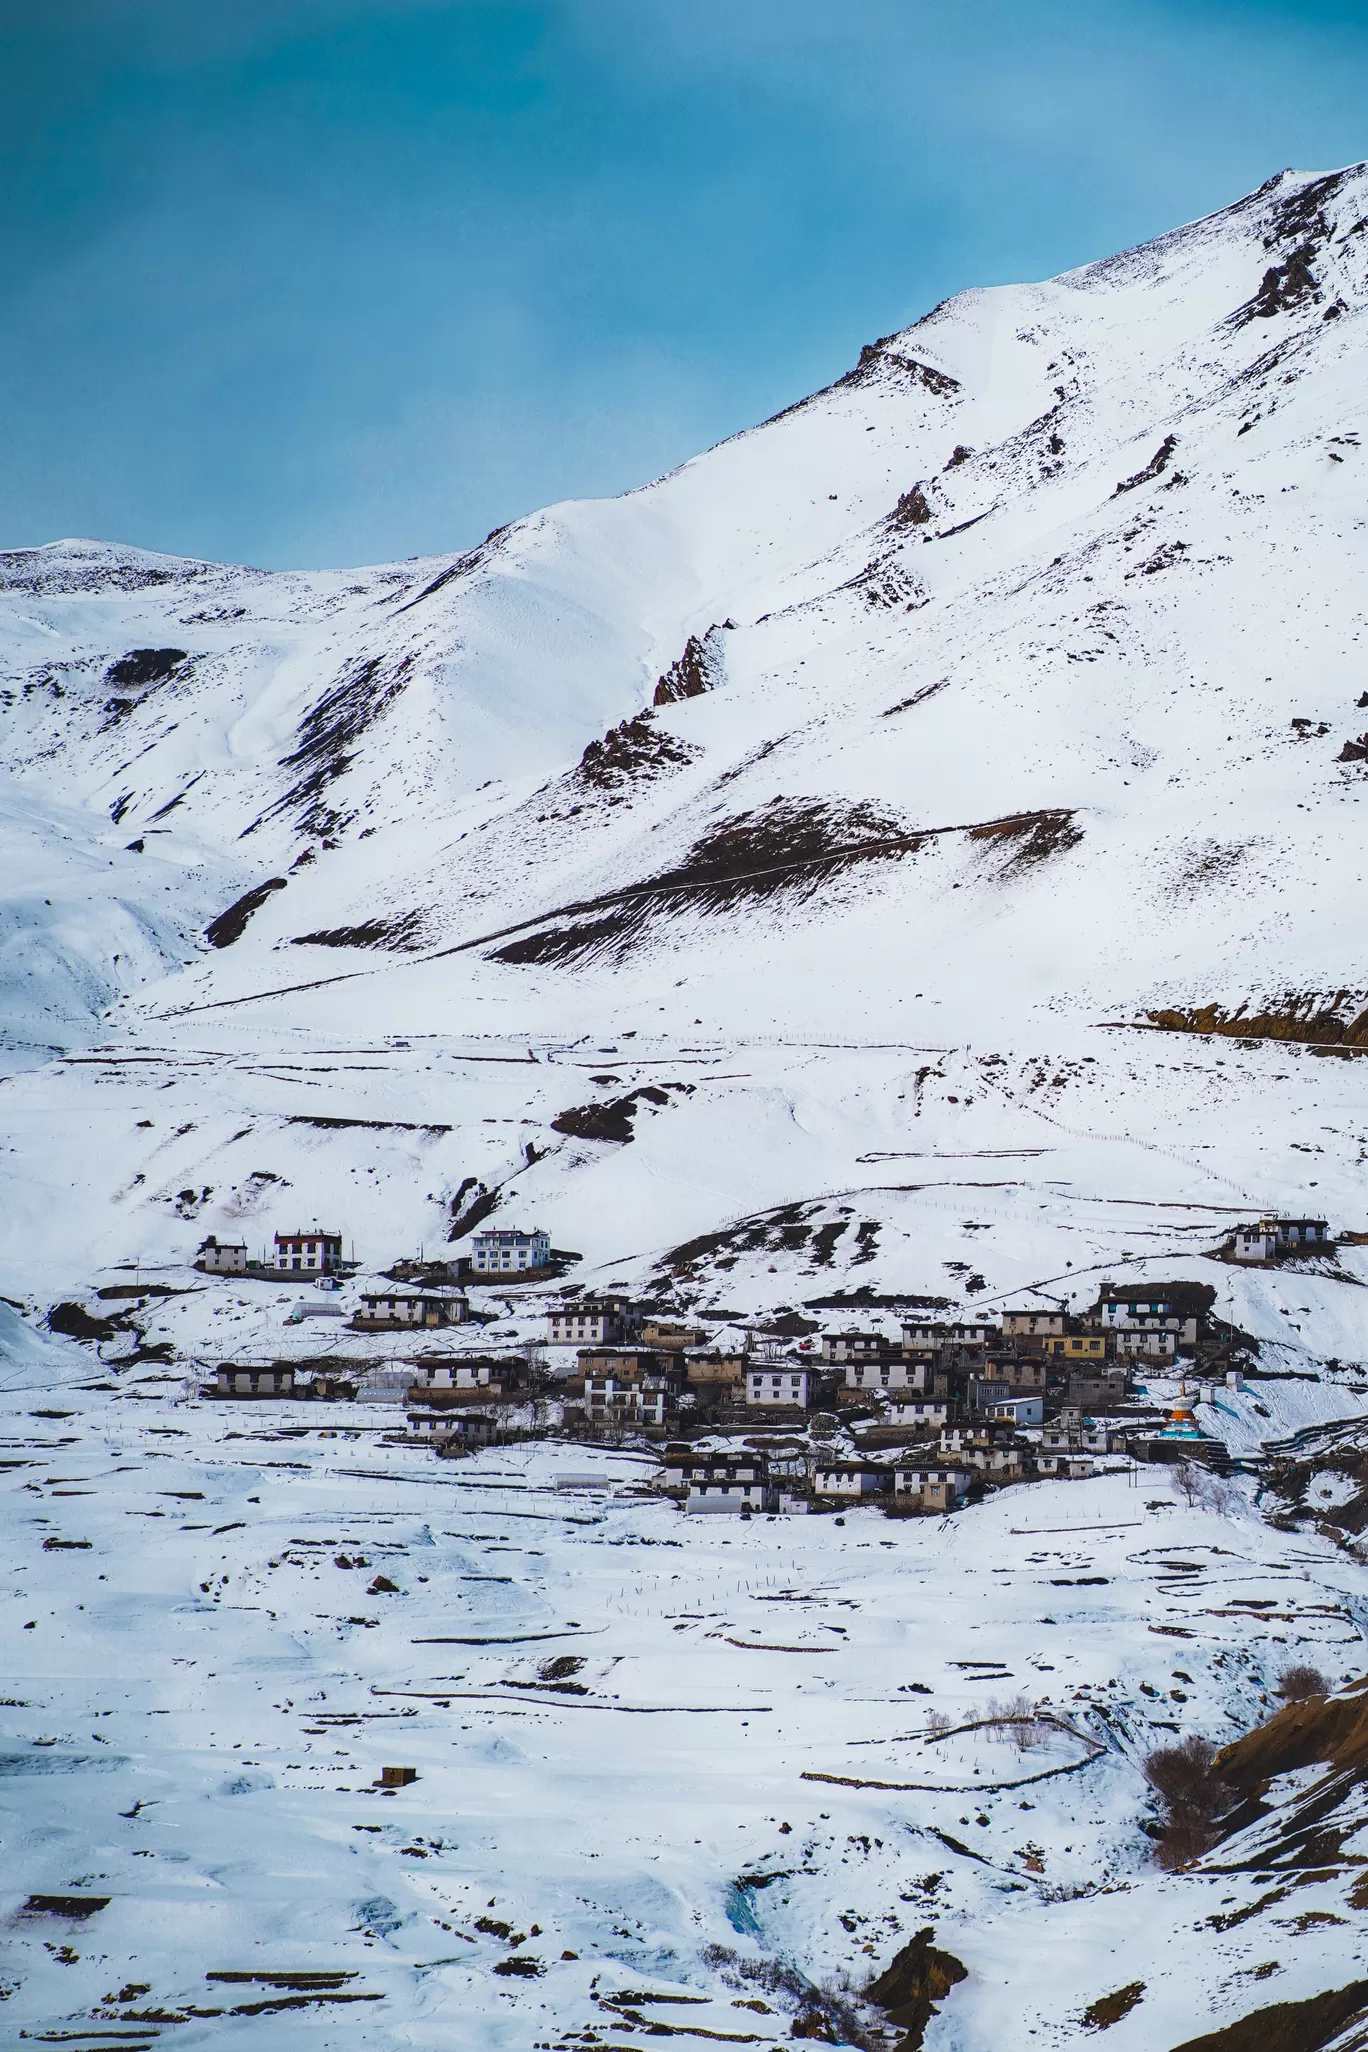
(942, 1410)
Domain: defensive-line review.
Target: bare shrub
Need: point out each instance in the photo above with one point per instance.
(1192, 1795)
(1187, 1481)
(1201, 1490)
(1299, 1684)
(938, 1723)
(1019, 1723)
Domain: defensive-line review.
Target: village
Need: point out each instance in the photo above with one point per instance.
(784, 1415)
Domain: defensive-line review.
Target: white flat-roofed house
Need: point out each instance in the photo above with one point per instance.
(1134, 1311)
(508, 1250)
(1064, 1467)
(222, 1257)
(969, 1333)
(885, 1374)
(396, 1310)
(937, 1488)
(589, 1321)
(1253, 1243)
(612, 1400)
(1019, 1410)
(727, 1493)
(850, 1479)
(464, 1376)
(1146, 1343)
(927, 1412)
(312, 1253)
(854, 1346)
(276, 1381)
(1032, 1324)
(774, 1385)
(724, 1482)
(431, 1424)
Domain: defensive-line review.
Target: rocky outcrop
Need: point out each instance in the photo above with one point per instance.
(919, 1978)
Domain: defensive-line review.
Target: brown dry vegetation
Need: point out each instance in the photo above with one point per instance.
(1337, 1021)
(1288, 2026)
(1193, 1795)
(1329, 1730)
(1109, 2009)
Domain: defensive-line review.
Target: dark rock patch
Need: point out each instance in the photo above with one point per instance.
(702, 667)
(788, 847)
(613, 1121)
(404, 934)
(1283, 288)
(232, 924)
(1157, 464)
(145, 666)
(633, 752)
(73, 1321)
(1029, 837)
(912, 1987)
(913, 509)
(1109, 2009)
(365, 689)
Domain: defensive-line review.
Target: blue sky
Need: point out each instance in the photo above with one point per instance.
(333, 281)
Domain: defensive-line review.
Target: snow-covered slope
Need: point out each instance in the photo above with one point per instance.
(1024, 655)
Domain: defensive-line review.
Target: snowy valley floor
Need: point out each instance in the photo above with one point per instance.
(207, 1689)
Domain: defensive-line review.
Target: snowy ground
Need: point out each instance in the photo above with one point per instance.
(200, 1669)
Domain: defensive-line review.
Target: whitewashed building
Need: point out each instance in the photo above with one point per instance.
(507, 1250)
(395, 1310)
(970, 1333)
(611, 1400)
(726, 1495)
(853, 1346)
(774, 1385)
(849, 1479)
(589, 1321)
(313, 1253)
(887, 1374)
(1146, 1343)
(222, 1257)
(933, 1488)
(1019, 1410)
(930, 1413)
(275, 1381)
(463, 1375)
(1030, 1323)
(1273, 1236)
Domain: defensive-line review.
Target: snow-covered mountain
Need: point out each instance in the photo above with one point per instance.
(995, 695)
(802, 876)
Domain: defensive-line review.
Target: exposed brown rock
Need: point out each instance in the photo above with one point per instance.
(1307, 1016)
(918, 1978)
